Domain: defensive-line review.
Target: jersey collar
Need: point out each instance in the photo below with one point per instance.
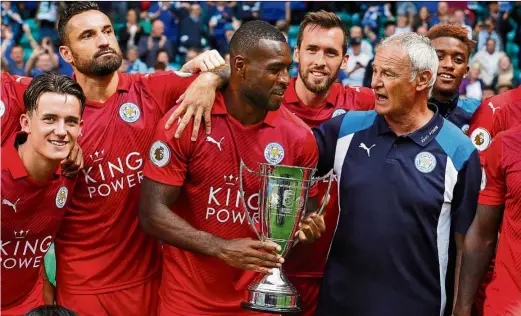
(290, 96)
(422, 136)
(12, 161)
(219, 108)
(445, 108)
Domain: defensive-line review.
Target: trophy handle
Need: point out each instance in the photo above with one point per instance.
(243, 201)
(326, 199)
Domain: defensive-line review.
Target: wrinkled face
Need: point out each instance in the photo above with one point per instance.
(44, 62)
(265, 73)
(394, 91)
(163, 57)
(93, 48)
(504, 63)
(320, 57)
(53, 127)
(452, 55)
(491, 46)
(17, 54)
(131, 16)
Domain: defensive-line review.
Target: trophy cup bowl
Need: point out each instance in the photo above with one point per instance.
(282, 203)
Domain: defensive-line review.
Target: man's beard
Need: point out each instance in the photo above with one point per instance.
(99, 66)
(317, 88)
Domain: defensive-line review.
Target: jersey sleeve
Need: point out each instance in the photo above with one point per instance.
(166, 87)
(482, 118)
(362, 98)
(466, 192)
(326, 136)
(168, 157)
(500, 122)
(493, 183)
(308, 158)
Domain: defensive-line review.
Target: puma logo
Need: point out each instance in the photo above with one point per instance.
(213, 141)
(13, 205)
(493, 108)
(364, 147)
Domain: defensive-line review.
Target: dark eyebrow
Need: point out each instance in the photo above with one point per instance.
(88, 31)
(75, 119)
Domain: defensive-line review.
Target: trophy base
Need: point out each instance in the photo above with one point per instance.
(273, 294)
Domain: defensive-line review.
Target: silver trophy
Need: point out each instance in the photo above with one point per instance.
(282, 203)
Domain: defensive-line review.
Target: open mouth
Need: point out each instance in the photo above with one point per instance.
(279, 93)
(318, 74)
(381, 97)
(59, 143)
(447, 76)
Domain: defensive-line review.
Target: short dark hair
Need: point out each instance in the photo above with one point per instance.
(250, 33)
(455, 31)
(17, 46)
(323, 19)
(162, 50)
(69, 10)
(52, 82)
(50, 310)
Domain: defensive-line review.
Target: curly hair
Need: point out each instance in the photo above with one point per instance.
(455, 31)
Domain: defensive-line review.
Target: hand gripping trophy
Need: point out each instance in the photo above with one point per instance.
(282, 203)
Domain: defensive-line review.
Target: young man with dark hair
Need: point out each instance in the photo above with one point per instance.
(34, 191)
(211, 253)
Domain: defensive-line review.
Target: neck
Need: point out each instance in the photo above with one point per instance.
(39, 168)
(98, 89)
(309, 98)
(240, 108)
(404, 124)
(442, 96)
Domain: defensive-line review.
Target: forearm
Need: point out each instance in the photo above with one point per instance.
(164, 224)
(477, 254)
(217, 78)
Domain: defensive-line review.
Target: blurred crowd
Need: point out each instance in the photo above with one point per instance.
(162, 35)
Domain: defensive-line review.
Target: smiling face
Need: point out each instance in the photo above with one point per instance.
(320, 57)
(453, 57)
(53, 127)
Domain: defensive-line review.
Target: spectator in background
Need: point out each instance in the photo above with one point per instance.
(191, 53)
(371, 35)
(222, 15)
(459, 18)
(192, 32)
(272, 11)
(162, 57)
(150, 45)
(488, 92)
(505, 74)
(421, 30)
(15, 60)
(11, 17)
(422, 18)
(39, 62)
(168, 14)
(356, 32)
(442, 15)
(485, 31)
(472, 86)
(130, 34)
(389, 28)
(46, 16)
(46, 44)
(503, 86)
(135, 65)
(488, 59)
(248, 11)
(356, 64)
(403, 24)
(159, 66)
(283, 27)
(124, 66)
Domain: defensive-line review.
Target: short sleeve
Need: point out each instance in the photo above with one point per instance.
(326, 136)
(493, 186)
(466, 192)
(168, 158)
(166, 87)
(500, 122)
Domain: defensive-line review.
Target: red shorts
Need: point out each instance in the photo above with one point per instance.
(138, 300)
(308, 290)
(34, 300)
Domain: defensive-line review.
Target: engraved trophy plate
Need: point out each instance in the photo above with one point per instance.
(282, 203)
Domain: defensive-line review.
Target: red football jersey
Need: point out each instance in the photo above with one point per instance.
(101, 247)
(12, 103)
(208, 170)
(310, 260)
(502, 186)
(31, 215)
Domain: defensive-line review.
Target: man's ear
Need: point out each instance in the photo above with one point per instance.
(423, 79)
(66, 54)
(25, 123)
(239, 63)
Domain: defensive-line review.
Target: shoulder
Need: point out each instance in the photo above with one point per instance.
(292, 120)
(355, 121)
(469, 105)
(455, 144)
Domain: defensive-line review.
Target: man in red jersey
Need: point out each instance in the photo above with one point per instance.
(190, 197)
(499, 202)
(106, 265)
(11, 104)
(34, 192)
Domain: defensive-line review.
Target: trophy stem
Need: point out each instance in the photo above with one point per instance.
(273, 294)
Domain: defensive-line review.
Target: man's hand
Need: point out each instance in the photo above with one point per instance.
(249, 254)
(311, 228)
(74, 163)
(207, 61)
